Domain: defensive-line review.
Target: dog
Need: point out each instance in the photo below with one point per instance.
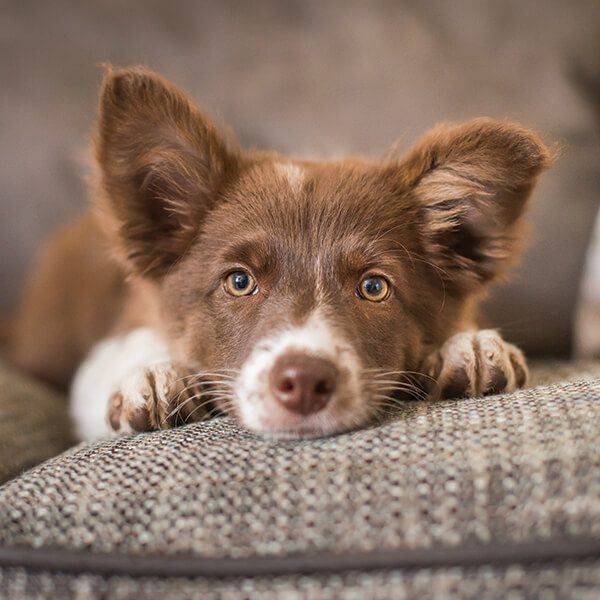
(303, 298)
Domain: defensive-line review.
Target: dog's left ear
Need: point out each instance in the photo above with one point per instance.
(471, 183)
(162, 164)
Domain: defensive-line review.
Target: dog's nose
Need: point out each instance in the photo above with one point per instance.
(303, 384)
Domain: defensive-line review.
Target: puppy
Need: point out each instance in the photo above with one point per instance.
(303, 298)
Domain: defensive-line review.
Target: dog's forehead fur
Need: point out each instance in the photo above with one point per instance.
(307, 213)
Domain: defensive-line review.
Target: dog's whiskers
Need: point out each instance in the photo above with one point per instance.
(221, 373)
(210, 413)
(383, 373)
(377, 386)
(214, 385)
(202, 405)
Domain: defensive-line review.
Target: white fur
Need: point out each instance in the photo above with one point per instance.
(261, 412)
(320, 279)
(293, 174)
(106, 367)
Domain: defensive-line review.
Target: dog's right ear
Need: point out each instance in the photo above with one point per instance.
(471, 183)
(161, 166)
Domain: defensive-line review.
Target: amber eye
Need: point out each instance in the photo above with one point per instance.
(240, 283)
(374, 288)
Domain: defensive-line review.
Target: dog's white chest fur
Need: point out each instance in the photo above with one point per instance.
(100, 374)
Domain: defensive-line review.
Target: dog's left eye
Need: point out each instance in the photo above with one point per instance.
(374, 288)
(240, 283)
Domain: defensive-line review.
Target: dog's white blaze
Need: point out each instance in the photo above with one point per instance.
(260, 411)
(293, 174)
(320, 279)
(100, 375)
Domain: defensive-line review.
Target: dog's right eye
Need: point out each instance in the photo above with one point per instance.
(240, 283)
(374, 288)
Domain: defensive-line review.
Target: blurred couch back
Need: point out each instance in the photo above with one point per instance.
(311, 77)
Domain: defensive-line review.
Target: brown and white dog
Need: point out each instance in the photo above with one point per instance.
(301, 297)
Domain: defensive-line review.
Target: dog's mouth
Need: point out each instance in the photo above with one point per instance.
(306, 381)
(281, 423)
(300, 397)
(297, 408)
(289, 403)
(299, 394)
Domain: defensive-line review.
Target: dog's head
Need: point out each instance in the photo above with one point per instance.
(309, 292)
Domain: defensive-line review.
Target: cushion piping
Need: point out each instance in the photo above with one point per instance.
(50, 559)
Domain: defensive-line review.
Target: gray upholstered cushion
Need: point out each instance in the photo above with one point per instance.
(500, 472)
(34, 423)
(561, 580)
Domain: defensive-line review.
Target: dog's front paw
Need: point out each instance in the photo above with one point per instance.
(155, 397)
(474, 364)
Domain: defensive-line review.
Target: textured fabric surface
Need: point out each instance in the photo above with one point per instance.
(507, 468)
(516, 468)
(546, 372)
(34, 423)
(545, 581)
(34, 420)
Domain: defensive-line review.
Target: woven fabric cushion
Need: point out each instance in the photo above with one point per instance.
(506, 468)
(556, 581)
(503, 471)
(34, 423)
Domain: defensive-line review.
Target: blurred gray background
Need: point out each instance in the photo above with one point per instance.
(315, 78)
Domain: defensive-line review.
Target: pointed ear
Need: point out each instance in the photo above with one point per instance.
(161, 166)
(471, 183)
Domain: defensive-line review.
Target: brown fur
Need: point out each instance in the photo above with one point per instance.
(180, 205)
(72, 299)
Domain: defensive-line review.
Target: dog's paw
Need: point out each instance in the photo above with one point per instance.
(155, 397)
(477, 363)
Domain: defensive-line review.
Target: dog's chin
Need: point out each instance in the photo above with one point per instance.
(282, 424)
(298, 433)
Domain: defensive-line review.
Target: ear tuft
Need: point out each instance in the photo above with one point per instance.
(161, 164)
(472, 183)
(121, 86)
(134, 86)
